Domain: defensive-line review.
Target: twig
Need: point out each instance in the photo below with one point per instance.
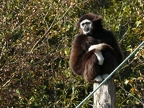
(47, 31)
(2, 51)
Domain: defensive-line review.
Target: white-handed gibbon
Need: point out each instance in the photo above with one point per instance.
(95, 52)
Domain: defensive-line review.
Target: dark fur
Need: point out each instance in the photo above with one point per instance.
(84, 62)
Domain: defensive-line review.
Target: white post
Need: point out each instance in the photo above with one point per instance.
(104, 97)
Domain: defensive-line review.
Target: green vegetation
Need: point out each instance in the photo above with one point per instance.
(35, 43)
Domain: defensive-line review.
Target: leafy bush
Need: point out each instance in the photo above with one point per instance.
(35, 43)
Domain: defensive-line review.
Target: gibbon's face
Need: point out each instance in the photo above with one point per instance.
(86, 26)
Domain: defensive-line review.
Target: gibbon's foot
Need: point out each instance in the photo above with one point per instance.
(104, 76)
(98, 78)
(97, 53)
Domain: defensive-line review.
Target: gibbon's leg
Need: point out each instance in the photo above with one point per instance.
(97, 53)
(92, 69)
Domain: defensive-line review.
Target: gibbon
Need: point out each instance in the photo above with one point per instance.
(95, 51)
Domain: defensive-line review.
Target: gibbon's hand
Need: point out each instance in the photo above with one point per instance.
(92, 47)
(98, 53)
(98, 46)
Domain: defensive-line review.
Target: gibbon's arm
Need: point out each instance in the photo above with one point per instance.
(114, 44)
(118, 50)
(111, 43)
(79, 57)
(97, 51)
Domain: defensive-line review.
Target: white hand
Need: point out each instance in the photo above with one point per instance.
(97, 53)
(91, 47)
(98, 47)
(99, 57)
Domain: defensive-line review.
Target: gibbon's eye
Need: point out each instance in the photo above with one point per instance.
(83, 24)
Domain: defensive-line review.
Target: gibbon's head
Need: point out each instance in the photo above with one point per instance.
(89, 23)
(86, 26)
